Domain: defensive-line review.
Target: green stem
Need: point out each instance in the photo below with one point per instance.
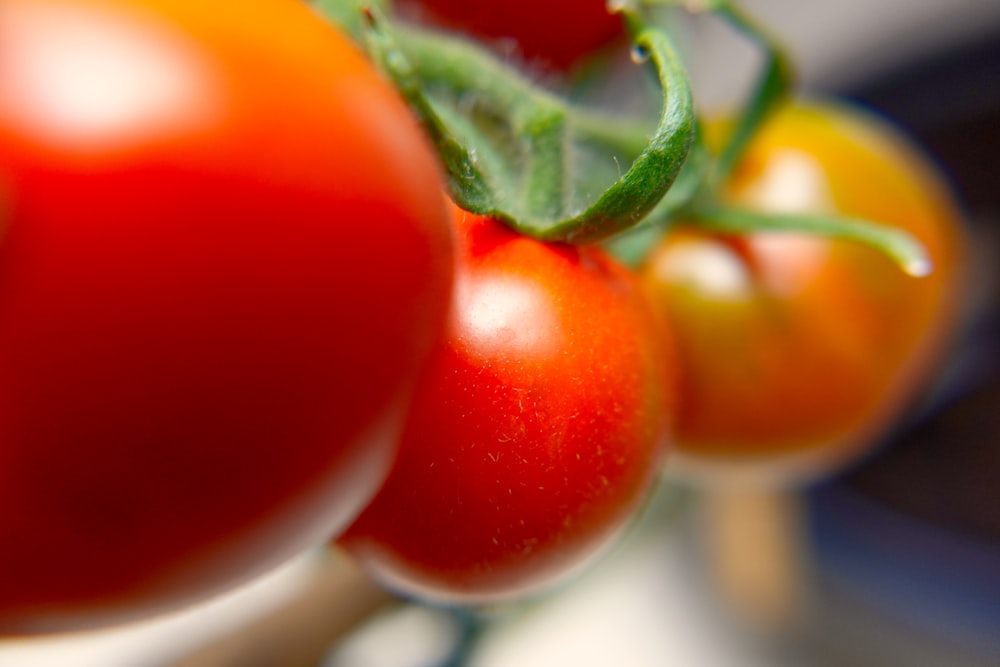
(898, 245)
(772, 86)
(688, 187)
(471, 628)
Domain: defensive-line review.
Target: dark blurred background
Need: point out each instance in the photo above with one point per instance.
(907, 543)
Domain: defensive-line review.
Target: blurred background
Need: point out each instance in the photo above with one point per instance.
(894, 561)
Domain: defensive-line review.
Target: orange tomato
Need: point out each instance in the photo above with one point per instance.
(798, 351)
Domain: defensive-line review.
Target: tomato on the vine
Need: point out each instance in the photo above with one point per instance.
(560, 33)
(224, 257)
(538, 425)
(800, 350)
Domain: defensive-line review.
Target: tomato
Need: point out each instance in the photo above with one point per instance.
(559, 33)
(225, 255)
(798, 351)
(539, 424)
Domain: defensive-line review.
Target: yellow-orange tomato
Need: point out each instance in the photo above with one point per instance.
(799, 350)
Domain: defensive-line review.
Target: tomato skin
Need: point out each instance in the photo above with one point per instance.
(539, 425)
(225, 255)
(559, 33)
(798, 352)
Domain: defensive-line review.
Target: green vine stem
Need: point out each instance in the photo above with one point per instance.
(771, 88)
(900, 246)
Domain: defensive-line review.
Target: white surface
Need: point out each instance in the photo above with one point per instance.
(643, 608)
(157, 642)
(645, 605)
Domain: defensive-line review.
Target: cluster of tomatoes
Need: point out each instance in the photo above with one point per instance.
(239, 318)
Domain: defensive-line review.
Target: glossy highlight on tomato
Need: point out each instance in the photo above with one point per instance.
(539, 425)
(224, 257)
(560, 33)
(797, 352)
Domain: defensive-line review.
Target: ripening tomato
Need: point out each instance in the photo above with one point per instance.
(538, 426)
(557, 32)
(224, 256)
(799, 350)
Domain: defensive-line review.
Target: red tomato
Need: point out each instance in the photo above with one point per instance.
(537, 429)
(801, 350)
(558, 32)
(225, 253)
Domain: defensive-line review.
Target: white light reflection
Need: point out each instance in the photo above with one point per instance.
(793, 183)
(708, 265)
(86, 79)
(507, 311)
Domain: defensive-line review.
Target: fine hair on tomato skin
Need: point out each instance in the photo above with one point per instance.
(539, 426)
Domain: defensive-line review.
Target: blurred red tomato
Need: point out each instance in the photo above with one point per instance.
(224, 256)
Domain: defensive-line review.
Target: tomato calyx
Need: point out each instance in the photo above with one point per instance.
(526, 156)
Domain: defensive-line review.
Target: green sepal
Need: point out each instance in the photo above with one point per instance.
(518, 153)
